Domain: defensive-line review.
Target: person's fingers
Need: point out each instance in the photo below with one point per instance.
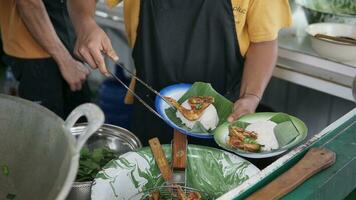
(109, 50)
(78, 86)
(87, 57)
(237, 114)
(99, 61)
(236, 106)
(232, 117)
(72, 87)
(83, 69)
(77, 53)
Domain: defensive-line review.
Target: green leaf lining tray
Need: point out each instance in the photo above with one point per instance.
(209, 169)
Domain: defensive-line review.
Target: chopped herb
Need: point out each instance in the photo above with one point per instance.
(5, 170)
(10, 196)
(91, 162)
(199, 106)
(249, 140)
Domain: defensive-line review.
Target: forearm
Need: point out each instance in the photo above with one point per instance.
(259, 64)
(82, 14)
(36, 19)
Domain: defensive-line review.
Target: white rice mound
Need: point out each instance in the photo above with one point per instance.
(209, 120)
(265, 134)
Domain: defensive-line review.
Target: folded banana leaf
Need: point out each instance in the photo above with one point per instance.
(222, 105)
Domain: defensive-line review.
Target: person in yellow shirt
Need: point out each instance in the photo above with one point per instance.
(38, 40)
(231, 44)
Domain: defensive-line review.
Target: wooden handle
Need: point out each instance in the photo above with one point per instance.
(179, 151)
(129, 98)
(314, 161)
(161, 159)
(337, 39)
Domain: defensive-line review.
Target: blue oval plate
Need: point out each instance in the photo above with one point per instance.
(181, 92)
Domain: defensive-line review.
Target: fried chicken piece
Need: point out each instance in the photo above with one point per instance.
(197, 111)
(191, 195)
(239, 135)
(181, 193)
(194, 196)
(155, 195)
(250, 134)
(251, 147)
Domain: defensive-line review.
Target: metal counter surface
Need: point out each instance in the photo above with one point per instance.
(300, 64)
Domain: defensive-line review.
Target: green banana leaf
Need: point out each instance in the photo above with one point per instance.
(222, 105)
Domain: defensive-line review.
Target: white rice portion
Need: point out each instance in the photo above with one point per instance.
(265, 134)
(209, 120)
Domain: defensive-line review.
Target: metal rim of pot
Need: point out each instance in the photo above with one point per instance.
(95, 118)
(82, 190)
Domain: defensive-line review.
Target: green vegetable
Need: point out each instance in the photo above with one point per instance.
(239, 124)
(5, 170)
(339, 7)
(10, 196)
(249, 140)
(199, 106)
(91, 162)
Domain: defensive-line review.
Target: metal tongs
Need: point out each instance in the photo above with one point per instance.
(144, 84)
(338, 39)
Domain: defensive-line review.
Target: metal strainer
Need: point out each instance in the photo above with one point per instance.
(80, 191)
(169, 192)
(172, 189)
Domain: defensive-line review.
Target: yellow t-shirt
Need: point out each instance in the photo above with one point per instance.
(255, 20)
(17, 40)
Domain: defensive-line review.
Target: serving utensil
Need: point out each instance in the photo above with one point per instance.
(144, 84)
(338, 39)
(313, 162)
(179, 158)
(136, 96)
(160, 158)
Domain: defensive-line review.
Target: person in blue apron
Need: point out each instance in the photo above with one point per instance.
(228, 43)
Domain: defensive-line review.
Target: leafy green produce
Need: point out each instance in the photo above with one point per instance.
(5, 170)
(250, 140)
(91, 162)
(10, 196)
(340, 7)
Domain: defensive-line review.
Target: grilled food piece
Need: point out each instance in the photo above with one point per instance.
(194, 196)
(191, 195)
(198, 105)
(155, 195)
(242, 139)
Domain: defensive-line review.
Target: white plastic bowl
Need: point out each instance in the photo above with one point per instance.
(329, 49)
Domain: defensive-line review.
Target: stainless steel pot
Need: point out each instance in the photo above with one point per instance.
(38, 149)
(113, 137)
